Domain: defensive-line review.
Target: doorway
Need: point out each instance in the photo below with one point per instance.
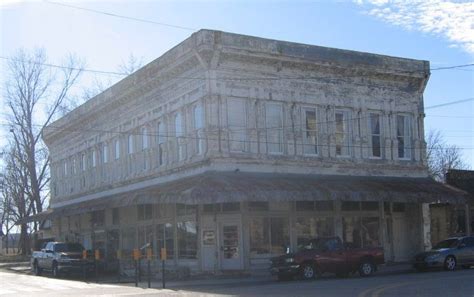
(230, 244)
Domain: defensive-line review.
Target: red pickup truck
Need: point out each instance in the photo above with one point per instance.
(327, 254)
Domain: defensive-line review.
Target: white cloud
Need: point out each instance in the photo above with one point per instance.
(451, 20)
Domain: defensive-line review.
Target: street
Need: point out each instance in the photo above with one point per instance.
(436, 283)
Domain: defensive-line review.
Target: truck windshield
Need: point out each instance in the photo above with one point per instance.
(68, 247)
(446, 244)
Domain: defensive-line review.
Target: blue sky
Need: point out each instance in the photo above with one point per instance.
(441, 32)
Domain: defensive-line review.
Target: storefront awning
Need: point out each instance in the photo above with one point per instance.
(217, 187)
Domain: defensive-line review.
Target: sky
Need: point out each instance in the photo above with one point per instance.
(441, 32)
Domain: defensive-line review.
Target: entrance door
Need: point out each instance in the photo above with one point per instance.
(401, 243)
(230, 245)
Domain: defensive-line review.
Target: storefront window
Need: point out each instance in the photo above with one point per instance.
(113, 237)
(144, 212)
(310, 228)
(268, 236)
(361, 232)
(370, 232)
(145, 236)
(165, 239)
(128, 240)
(187, 239)
(185, 209)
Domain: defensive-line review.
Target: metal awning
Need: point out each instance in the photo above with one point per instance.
(216, 187)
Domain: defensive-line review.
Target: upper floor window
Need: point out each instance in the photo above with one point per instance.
(404, 136)
(74, 169)
(375, 135)
(179, 133)
(161, 139)
(144, 138)
(237, 123)
(342, 132)
(274, 127)
(117, 149)
(105, 153)
(65, 167)
(310, 138)
(93, 158)
(130, 144)
(198, 126)
(83, 162)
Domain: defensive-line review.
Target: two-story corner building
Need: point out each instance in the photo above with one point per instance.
(229, 149)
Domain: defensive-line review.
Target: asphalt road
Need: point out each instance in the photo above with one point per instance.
(432, 284)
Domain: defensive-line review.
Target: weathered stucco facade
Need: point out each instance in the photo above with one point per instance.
(229, 148)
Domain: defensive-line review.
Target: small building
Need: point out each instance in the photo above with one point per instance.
(230, 149)
(449, 219)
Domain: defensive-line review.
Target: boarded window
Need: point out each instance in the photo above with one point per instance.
(105, 153)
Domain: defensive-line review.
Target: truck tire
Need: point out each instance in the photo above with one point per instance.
(308, 271)
(366, 268)
(36, 269)
(55, 270)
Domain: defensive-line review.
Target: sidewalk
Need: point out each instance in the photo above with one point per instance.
(254, 277)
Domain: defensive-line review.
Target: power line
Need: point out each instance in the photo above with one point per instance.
(63, 67)
(122, 16)
(261, 78)
(451, 67)
(450, 103)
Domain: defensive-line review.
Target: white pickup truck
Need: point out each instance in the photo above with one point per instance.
(59, 257)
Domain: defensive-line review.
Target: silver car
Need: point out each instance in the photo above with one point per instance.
(448, 254)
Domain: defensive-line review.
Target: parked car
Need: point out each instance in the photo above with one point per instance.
(59, 257)
(448, 254)
(327, 254)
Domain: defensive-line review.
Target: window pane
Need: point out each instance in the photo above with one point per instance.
(274, 127)
(130, 144)
(257, 205)
(105, 153)
(369, 205)
(403, 136)
(350, 206)
(198, 126)
(370, 232)
(309, 132)
(280, 238)
(117, 149)
(342, 133)
(310, 228)
(351, 231)
(237, 121)
(165, 239)
(375, 134)
(144, 138)
(228, 207)
(187, 240)
(324, 205)
(304, 205)
(259, 236)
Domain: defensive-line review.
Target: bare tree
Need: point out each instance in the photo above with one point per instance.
(441, 156)
(34, 95)
(131, 65)
(100, 84)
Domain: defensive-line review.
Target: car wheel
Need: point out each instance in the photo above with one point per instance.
(36, 269)
(55, 270)
(366, 268)
(308, 272)
(450, 263)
